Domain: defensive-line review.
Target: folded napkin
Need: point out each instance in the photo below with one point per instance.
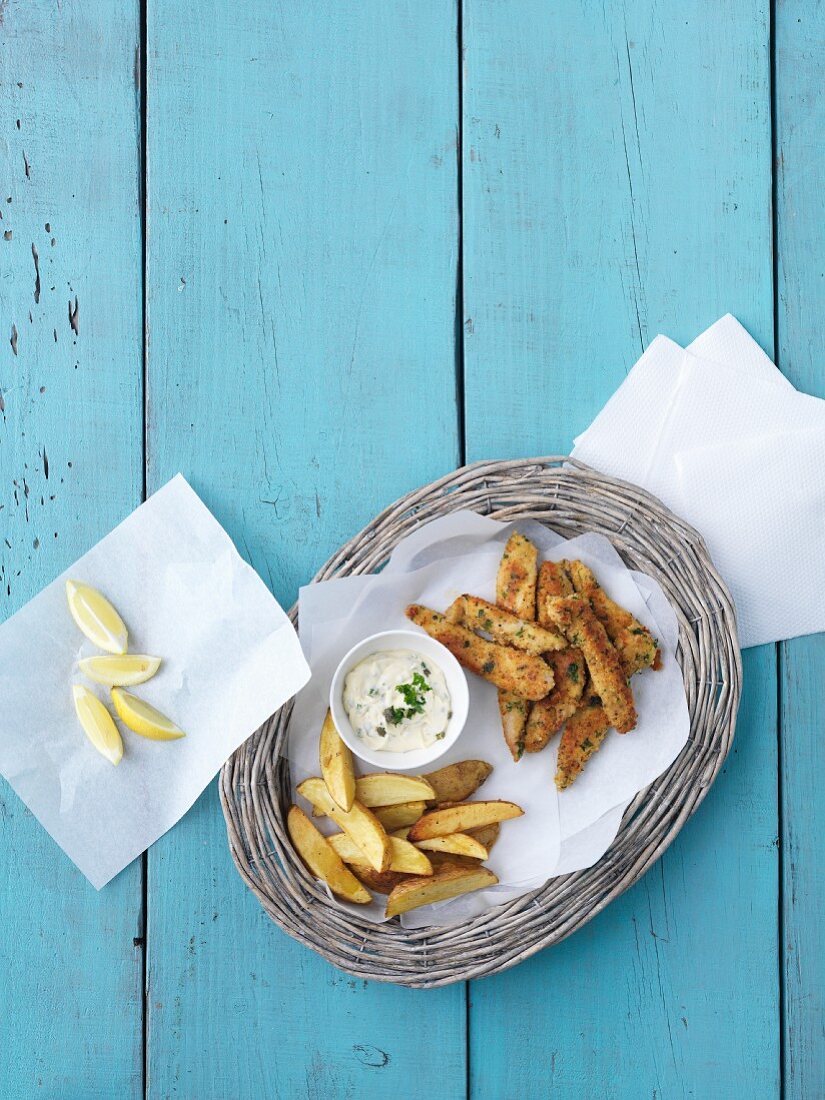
(720, 435)
(230, 659)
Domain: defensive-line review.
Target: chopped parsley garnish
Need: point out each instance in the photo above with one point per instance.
(488, 666)
(573, 672)
(441, 736)
(586, 745)
(414, 700)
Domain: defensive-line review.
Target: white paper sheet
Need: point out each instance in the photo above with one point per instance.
(723, 438)
(230, 659)
(559, 832)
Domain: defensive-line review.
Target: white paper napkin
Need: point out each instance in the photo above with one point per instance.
(721, 436)
(559, 832)
(230, 659)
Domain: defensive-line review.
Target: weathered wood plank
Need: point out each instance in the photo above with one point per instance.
(302, 269)
(70, 469)
(617, 175)
(800, 167)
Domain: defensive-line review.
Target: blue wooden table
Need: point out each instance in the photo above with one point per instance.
(314, 255)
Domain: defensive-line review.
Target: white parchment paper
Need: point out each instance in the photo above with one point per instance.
(560, 832)
(230, 658)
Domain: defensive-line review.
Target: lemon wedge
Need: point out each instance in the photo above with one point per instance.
(98, 724)
(96, 617)
(126, 669)
(141, 717)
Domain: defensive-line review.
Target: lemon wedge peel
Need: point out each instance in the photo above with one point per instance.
(97, 618)
(98, 724)
(144, 719)
(124, 670)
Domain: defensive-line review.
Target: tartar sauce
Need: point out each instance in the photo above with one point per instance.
(397, 700)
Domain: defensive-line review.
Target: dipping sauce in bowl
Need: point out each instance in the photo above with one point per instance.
(397, 700)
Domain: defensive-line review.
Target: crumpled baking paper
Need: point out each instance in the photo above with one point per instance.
(230, 659)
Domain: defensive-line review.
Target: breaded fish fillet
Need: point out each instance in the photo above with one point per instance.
(516, 579)
(516, 592)
(634, 643)
(576, 618)
(514, 713)
(547, 716)
(504, 626)
(553, 581)
(509, 669)
(582, 736)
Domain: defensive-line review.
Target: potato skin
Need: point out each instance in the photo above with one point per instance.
(458, 781)
(576, 618)
(509, 669)
(449, 881)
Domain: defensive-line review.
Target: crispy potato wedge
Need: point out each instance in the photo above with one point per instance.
(406, 857)
(459, 819)
(359, 823)
(458, 781)
(448, 882)
(514, 713)
(382, 882)
(583, 735)
(486, 835)
(322, 859)
(509, 669)
(577, 619)
(516, 577)
(459, 844)
(634, 643)
(549, 715)
(503, 626)
(403, 813)
(337, 768)
(388, 789)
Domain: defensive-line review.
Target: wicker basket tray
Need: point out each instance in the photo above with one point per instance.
(570, 498)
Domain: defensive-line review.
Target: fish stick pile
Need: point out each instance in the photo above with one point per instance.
(559, 650)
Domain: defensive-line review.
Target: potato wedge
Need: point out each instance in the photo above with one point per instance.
(577, 619)
(509, 669)
(403, 813)
(388, 789)
(516, 577)
(322, 859)
(337, 768)
(359, 823)
(382, 882)
(458, 819)
(455, 782)
(406, 857)
(459, 844)
(634, 643)
(449, 882)
(487, 835)
(503, 626)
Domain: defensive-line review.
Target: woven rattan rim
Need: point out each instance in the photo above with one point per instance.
(570, 498)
